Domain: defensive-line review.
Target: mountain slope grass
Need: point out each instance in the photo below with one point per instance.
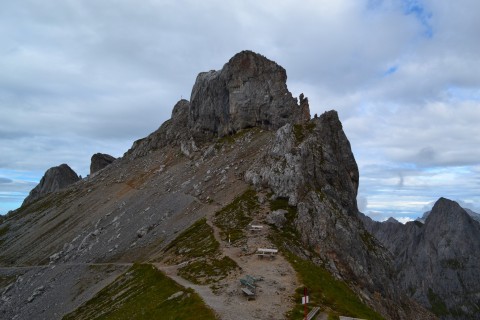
(198, 247)
(234, 218)
(331, 295)
(143, 292)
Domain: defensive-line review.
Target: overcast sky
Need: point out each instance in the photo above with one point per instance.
(80, 77)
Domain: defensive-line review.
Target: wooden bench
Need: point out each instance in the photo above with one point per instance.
(261, 252)
(312, 313)
(252, 279)
(247, 283)
(248, 293)
(250, 289)
(255, 227)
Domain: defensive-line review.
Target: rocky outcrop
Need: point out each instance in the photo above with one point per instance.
(54, 179)
(313, 167)
(437, 262)
(249, 91)
(315, 156)
(172, 132)
(471, 213)
(100, 161)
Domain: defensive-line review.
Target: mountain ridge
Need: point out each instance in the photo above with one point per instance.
(435, 260)
(251, 135)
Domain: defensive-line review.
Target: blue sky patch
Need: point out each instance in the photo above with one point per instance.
(416, 8)
(390, 70)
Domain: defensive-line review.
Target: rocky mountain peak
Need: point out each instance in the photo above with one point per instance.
(54, 179)
(392, 220)
(437, 258)
(249, 91)
(100, 161)
(447, 215)
(444, 205)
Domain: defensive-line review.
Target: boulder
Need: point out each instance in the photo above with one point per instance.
(277, 218)
(100, 161)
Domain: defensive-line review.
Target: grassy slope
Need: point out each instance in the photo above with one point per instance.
(142, 293)
(234, 218)
(332, 295)
(198, 245)
(197, 241)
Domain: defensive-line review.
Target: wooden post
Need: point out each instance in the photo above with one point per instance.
(305, 298)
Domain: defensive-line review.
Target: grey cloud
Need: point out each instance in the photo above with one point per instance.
(16, 188)
(93, 76)
(5, 180)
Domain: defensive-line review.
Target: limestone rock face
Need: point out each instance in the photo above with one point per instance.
(249, 91)
(316, 156)
(100, 161)
(471, 213)
(54, 179)
(277, 218)
(312, 166)
(437, 262)
(172, 132)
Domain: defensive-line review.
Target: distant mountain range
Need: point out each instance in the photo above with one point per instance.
(437, 258)
(471, 213)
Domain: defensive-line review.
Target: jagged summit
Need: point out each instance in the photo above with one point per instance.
(392, 220)
(54, 179)
(445, 210)
(249, 91)
(438, 258)
(442, 202)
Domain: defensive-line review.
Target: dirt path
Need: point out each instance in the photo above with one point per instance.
(274, 292)
(53, 265)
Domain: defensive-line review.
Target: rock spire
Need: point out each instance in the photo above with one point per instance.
(54, 179)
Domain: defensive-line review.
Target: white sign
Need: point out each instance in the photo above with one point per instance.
(305, 300)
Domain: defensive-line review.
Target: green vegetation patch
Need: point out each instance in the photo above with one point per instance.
(232, 138)
(208, 271)
(199, 244)
(234, 218)
(325, 291)
(438, 307)
(4, 229)
(454, 264)
(300, 131)
(6, 280)
(369, 241)
(288, 233)
(143, 292)
(195, 242)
